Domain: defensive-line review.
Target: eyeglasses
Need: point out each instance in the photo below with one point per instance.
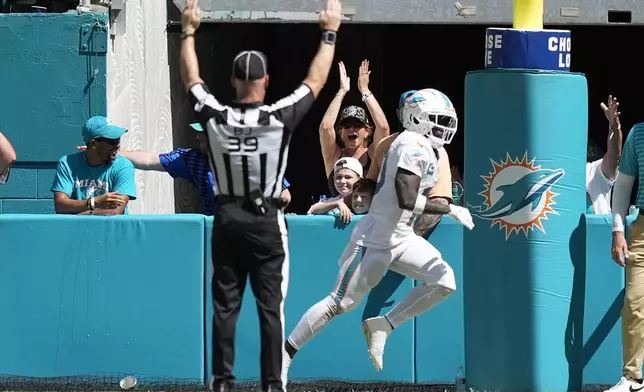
(112, 142)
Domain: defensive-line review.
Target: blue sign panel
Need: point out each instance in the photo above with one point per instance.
(524, 49)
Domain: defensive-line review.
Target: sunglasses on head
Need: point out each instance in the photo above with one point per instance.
(112, 142)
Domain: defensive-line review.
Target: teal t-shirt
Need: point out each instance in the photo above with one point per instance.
(81, 181)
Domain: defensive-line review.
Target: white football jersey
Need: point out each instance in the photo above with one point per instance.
(389, 223)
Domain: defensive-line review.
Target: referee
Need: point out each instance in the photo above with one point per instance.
(249, 143)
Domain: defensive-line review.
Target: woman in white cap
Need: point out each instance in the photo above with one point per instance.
(354, 135)
(346, 172)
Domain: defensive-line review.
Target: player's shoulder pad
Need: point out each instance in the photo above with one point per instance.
(419, 148)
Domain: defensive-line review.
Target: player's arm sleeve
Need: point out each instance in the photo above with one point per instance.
(175, 164)
(123, 181)
(205, 104)
(290, 110)
(414, 158)
(63, 181)
(628, 170)
(621, 197)
(285, 184)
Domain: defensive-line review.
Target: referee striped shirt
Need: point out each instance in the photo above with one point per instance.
(249, 142)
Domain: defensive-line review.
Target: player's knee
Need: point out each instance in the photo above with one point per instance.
(348, 303)
(447, 280)
(336, 305)
(346, 306)
(440, 290)
(446, 291)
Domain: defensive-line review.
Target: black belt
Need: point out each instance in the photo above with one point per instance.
(246, 202)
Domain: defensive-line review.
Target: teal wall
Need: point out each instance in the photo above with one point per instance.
(52, 79)
(110, 296)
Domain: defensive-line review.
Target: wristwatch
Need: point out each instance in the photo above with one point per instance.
(329, 37)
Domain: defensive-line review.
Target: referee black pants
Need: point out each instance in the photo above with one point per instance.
(248, 245)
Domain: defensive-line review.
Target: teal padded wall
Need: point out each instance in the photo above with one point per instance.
(104, 296)
(108, 296)
(53, 77)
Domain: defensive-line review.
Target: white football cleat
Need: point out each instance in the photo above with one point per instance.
(626, 385)
(376, 330)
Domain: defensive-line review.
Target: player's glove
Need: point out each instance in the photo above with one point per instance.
(462, 215)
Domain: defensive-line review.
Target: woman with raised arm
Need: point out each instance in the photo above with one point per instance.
(354, 135)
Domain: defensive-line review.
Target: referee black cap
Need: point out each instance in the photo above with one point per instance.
(249, 65)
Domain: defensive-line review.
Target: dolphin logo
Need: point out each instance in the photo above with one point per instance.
(414, 99)
(527, 190)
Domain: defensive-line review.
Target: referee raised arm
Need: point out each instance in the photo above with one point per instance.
(249, 148)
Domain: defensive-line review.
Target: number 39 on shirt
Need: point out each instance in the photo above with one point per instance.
(242, 141)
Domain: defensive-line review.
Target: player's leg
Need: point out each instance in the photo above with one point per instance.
(361, 270)
(269, 281)
(318, 315)
(420, 261)
(228, 284)
(423, 226)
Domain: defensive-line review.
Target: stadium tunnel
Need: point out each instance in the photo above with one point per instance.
(402, 57)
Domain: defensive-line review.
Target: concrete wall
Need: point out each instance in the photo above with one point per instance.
(489, 12)
(138, 97)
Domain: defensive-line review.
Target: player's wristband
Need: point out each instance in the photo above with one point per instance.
(419, 208)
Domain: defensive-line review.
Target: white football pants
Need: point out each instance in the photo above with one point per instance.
(363, 268)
